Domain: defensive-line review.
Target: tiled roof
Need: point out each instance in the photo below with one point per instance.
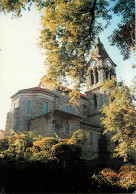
(35, 89)
(46, 90)
(32, 89)
(38, 89)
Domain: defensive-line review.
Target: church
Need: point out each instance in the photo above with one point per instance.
(48, 112)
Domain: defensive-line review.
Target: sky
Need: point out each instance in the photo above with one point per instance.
(22, 60)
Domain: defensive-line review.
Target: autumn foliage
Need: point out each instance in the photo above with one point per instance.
(124, 178)
(120, 118)
(27, 147)
(70, 28)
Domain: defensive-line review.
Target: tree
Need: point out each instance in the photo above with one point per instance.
(120, 118)
(124, 35)
(69, 30)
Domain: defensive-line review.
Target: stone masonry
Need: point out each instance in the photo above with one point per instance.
(48, 112)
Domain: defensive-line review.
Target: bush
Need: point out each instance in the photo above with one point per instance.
(40, 164)
(27, 147)
(125, 178)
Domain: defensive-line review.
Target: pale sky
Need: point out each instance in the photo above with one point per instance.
(21, 61)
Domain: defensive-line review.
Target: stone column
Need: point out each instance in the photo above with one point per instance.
(94, 74)
(99, 78)
(90, 79)
(103, 75)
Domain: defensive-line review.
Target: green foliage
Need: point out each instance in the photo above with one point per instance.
(119, 120)
(68, 151)
(16, 6)
(106, 176)
(41, 149)
(61, 150)
(78, 138)
(65, 153)
(15, 146)
(26, 146)
(124, 178)
(69, 29)
(124, 35)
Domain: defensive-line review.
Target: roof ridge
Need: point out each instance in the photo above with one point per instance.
(35, 89)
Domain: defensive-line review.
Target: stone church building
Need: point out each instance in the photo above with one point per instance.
(47, 112)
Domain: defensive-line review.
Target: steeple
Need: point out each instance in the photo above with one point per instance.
(99, 50)
(100, 66)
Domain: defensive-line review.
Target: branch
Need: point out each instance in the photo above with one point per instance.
(92, 12)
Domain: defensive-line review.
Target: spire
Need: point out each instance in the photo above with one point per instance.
(99, 53)
(99, 50)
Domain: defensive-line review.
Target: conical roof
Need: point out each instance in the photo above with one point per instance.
(100, 52)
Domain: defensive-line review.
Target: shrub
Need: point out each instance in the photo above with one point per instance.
(125, 178)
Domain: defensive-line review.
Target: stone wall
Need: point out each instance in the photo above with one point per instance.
(9, 123)
(17, 119)
(43, 126)
(55, 122)
(90, 147)
(97, 99)
(62, 101)
(37, 104)
(62, 122)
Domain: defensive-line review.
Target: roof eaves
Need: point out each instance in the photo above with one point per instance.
(35, 89)
(91, 124)
(54, 112)
(63, 112)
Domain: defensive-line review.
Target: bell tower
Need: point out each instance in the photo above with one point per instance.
(100, 68)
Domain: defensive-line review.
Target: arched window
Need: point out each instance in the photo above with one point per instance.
(66, 109)
(107, 73)
(97, 76)
(111, 74)
(95, 100)
(28, 107)
(67, 128)
(45, 107)
(73, 111)
(91, 137)
(92, 77)
(70, 109)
